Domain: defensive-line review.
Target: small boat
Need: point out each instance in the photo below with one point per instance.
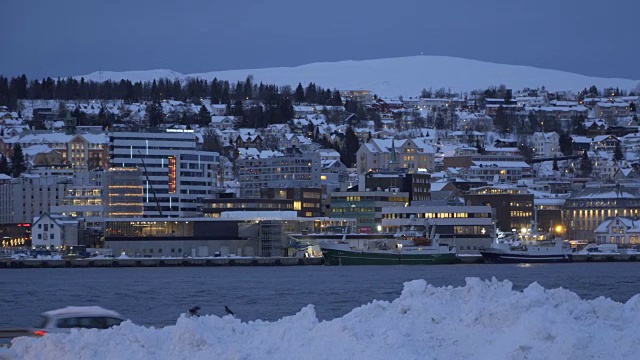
(536, 251)
(408, 247)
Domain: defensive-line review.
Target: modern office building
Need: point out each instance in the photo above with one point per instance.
(176, 175)
(123, 192)
(251, 233)
(417, 184)
(292, 170)
(467, 227)
(513, 205)
(365, 206)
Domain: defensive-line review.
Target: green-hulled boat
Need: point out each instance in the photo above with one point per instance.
(404, 248)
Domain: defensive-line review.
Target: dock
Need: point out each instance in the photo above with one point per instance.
(242, 261)
(160, 262)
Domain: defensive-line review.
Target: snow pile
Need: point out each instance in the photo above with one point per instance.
(393, 77)
(481, 320)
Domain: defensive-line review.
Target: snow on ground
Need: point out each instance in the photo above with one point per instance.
(481, 320)
(392, 77)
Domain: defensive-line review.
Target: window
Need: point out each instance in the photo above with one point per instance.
(51, 236)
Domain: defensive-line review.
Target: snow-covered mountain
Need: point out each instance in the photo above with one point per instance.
(396, 76)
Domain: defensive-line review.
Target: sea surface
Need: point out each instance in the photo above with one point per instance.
(157, 296)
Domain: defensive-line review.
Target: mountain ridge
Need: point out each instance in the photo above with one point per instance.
(392, 77)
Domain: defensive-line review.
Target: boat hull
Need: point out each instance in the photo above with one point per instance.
(343, 257)
(501, 257)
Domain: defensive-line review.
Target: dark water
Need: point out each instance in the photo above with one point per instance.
(157, 296)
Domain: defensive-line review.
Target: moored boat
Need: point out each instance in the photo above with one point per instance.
(411, 247)
(544, 251)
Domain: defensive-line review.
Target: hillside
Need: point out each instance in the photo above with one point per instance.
(397, 76)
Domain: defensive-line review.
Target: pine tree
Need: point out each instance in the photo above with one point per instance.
(501, 120)
(350, 147)
(18, 162)
(585, 165)
(566, 143)
(617, 152)
(236, 109)
(155, 114)
(4, 165)
(102, 116)
(534, 124)
(298, 96)
(337, 99)
(204, 116)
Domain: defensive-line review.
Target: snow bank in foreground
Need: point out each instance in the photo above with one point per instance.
(481, 320)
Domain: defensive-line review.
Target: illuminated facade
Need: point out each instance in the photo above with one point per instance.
(466, 227)
(256, 235)
(407, 155)
(365, 206)
(123, 192)
(588, 208)
(84, 199)
(619, 230)
(176, 176)
(513, 206)
(417, 184)
(298, 171)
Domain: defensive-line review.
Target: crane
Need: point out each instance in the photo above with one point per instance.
(146, 174)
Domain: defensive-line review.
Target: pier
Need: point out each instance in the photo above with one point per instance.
(240, 261)
(160, 262)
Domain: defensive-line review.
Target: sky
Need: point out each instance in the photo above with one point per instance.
(481, 320)
(76, 37)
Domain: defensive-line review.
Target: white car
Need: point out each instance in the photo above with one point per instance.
(77, 317)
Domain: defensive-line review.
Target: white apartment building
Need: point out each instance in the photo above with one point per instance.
(29, 196)
(84, 199)
(546, 144)
(395, 155)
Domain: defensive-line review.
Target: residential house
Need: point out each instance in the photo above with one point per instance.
(53, 231)
(222, 122)
(619, 230)
(546, 145)
(406, 155)
(610, 110)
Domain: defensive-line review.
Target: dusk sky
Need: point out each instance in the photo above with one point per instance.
(75, 37)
